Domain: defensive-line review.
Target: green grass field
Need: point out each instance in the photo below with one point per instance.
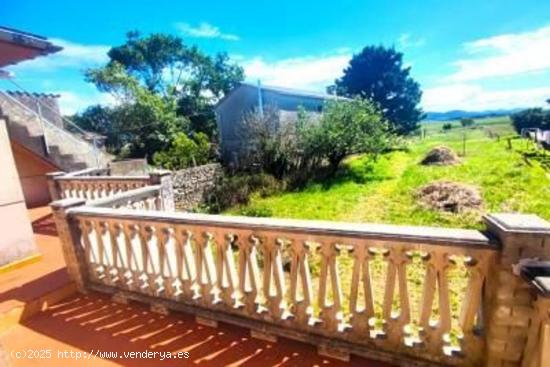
(384, 191)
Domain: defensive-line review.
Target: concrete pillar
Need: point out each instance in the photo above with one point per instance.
(17, 241)
(53, 187)
(522, 236)
(164, 178)
(69, 235)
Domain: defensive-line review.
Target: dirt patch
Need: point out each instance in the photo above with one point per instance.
(441, 156)
(450, 197)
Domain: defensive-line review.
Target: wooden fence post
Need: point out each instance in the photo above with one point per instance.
(511, 307)
(164, 178)
(69, 235)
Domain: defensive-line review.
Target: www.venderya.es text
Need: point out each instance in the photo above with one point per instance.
(93, 354)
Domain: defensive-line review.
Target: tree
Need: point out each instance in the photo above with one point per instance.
(378, 74)
(531, 118)
(184, 152)
(143, 121)
(447, 126)
(148, 58)
(165, 67)
(467, 122)
(162, 88)
(350, 127)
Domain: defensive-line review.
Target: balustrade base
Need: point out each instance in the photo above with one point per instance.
(337, 350)
(120, 298)
(206, 322)
(341, 354)
(160, 309)
(262, 335)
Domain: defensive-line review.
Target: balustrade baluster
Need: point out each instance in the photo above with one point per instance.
(300, 275)
(249, 274)
(206, 272)
(185, 263)
(361, 272)
(226, 275)
(274, 287)
(330, 310)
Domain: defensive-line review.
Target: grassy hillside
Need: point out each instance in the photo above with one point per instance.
(384, 191)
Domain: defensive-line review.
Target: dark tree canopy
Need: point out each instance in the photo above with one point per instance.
(147, 58)
(531, 118)
(377, 73)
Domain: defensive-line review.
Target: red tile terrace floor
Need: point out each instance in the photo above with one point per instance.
(39, 311)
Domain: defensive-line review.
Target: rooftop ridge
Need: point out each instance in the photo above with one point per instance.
(15, 93)
(292, 91)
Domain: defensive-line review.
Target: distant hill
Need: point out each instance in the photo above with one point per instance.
(459, 114)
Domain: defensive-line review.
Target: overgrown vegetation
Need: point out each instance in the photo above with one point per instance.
(383, 191)
(184, 151)
(386, 191)
(297, 150)
(531, 118)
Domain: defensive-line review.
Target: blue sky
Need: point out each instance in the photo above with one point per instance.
(466, 54)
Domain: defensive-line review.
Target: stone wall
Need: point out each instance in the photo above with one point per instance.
(191, 185)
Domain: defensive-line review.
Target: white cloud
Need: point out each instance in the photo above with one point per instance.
(71, 102)
(405, 40)
(504, 55)
(310, 73)
(204, 30)
(473, 97)
(73, 55)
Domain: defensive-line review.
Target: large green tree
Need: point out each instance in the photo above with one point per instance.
(162, 88)
(142, 122)
(165, 65)
(378, 74)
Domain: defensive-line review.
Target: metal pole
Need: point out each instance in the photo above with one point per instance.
(464, 143)
(260, 100)
(39, 108)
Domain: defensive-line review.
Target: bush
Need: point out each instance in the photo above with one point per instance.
(261, 211)
(447, 126)
(297, 150)
(272, 144)
(467, 122)
(184, 152)
(237, 190)
(531, 118)
(349, 127)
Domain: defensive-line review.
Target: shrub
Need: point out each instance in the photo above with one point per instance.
(184, 152)
(237, 190)
(260, 211)
(467, 122)
(447, 126)
(531, 118)
(272, 144)
(349, 127)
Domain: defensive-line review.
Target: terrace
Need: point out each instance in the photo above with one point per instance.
(415, 295)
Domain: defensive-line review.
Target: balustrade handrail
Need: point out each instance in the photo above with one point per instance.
(89, 172)
(417, 234)
(124, 197)
(101, 178)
